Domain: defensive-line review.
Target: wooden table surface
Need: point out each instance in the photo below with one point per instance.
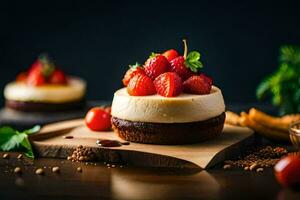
(100, 182)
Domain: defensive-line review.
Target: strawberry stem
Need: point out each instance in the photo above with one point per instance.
(185, 48)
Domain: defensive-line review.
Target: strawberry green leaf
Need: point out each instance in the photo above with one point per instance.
(135, 65)
(192, 61)
(48, 64)
(152, 55)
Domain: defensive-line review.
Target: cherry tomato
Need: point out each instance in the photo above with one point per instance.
(287, 170)
(97, 119)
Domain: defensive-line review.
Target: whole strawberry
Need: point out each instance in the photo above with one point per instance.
(178, 66)
(198, 84)
(156, 65)
(170, 54)
(57, 77)
(36, 78)
(187, 65)
(140, 85)
(131, 72)
(168, 84)
(44, 71)
(207, 78)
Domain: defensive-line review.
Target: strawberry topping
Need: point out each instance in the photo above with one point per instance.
(140, 85)
(197, 85)
(22, 77)
(156, 66)
(36, 78)
(178, 66)
(170, 54)
(58, 77)
(168, 74)
(43, 71)
(168, 84)
(131, 73)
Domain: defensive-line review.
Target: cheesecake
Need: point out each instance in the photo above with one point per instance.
(20, 96)
(45, 87)
(168, 100)
(154, 119)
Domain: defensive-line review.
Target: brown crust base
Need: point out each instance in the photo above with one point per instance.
(173, 133)
(44, 107)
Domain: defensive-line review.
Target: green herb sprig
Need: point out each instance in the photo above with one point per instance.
(284, 84)
(13, 140)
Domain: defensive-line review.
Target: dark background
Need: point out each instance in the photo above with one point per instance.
(238, 40)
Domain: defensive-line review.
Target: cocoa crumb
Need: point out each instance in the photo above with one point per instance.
(261, 157)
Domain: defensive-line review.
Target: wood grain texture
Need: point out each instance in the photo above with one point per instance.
(49, 142)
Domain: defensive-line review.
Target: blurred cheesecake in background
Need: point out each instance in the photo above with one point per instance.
(45, 87)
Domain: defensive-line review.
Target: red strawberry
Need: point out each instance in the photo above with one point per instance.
(140, 85)
(131, 73)
(170, 54)
(35, 77)
(178, 66)
(207, 78)
(197, 85)
(22, 77)
(168, 84)
(58, 77)
(156, 66)
(37, 65)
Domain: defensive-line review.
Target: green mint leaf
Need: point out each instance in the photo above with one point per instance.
(192, 61)
(6, 133)
(13, 140)
(33, 130)
(135, 65)
(29, 154)
(26, 145)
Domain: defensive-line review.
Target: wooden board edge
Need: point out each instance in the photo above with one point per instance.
(230, 152)
(119, 156)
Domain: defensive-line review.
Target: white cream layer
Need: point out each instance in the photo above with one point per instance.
(74, 90)
(155, 108)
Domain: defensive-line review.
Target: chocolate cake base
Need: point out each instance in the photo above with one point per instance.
(44, 107)
(172, 133)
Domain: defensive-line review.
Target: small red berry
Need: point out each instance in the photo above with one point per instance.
(36, 78)
(97, 119)
(170, 54)
(22, 77)
(156, 66)
(131, 73)
(197, 85)
(140, 85)
(58, 77)
(37, 65)
(168, 84)
(178, 66)
(207, 78)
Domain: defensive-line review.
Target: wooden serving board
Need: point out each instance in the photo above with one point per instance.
(49, 142)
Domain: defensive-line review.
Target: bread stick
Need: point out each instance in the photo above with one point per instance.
(232, 118)
(264, 130)
(269, 121)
